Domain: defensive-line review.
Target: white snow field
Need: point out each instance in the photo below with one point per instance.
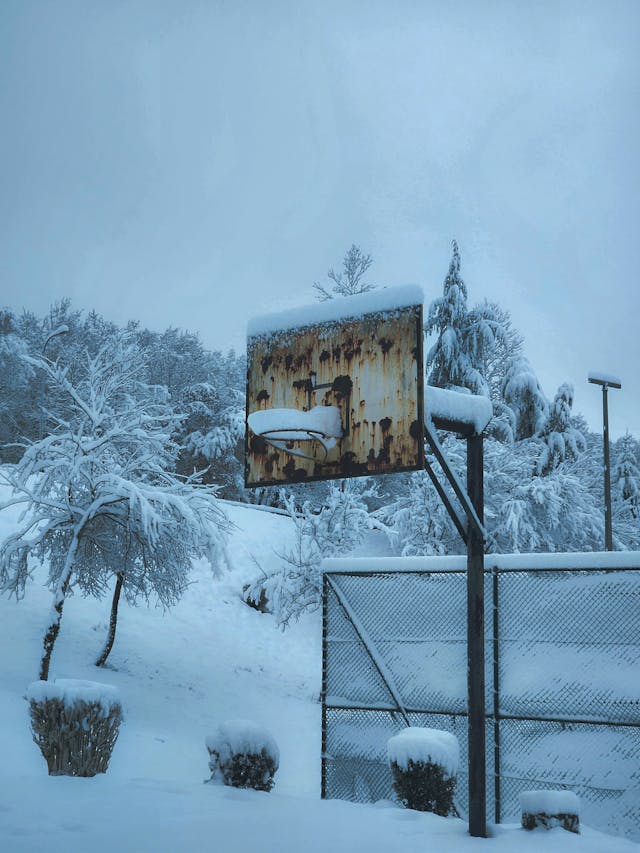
(179, 675)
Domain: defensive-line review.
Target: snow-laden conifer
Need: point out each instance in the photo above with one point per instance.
(98, 496)
(523, 394)
(626, 478)
(466, 340)
(560, 439)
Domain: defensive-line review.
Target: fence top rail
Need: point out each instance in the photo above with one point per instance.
(589, 561)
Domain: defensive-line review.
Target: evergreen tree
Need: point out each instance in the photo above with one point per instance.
(626, 477)
(559, 439)
(467, 341)
(522, 393)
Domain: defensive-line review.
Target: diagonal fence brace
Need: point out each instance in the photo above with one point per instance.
(370, 648)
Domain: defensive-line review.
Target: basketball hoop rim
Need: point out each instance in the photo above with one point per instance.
(270, 436)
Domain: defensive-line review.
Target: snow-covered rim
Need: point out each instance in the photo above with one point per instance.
(278, 438)
(278, 426)
(502, 562)
(334, 310)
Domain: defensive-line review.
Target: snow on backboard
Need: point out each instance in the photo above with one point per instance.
(360, 356)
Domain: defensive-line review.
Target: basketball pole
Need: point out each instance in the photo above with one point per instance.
(475, 643)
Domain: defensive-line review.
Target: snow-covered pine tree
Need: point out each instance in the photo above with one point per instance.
(99, 497)
(560, 439)
(626, 477)
(448, 359)
(523, 394)
(347, 281)
(507, 345)
(466, 340)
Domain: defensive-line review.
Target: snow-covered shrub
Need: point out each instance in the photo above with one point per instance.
(424, 766)
(242, 754)
(75, 724)
(416, 521)
(334, 528)
(550, 809)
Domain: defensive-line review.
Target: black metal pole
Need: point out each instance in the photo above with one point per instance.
(496, 696)
(608, 531)
(323, 689)
(475, 644)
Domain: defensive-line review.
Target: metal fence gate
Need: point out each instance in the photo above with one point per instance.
(562, 680)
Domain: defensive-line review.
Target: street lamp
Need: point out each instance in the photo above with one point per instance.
(607, 382)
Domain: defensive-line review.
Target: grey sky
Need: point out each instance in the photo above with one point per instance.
(194, 163)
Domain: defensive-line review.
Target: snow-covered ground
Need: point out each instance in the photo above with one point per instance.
(180, 674)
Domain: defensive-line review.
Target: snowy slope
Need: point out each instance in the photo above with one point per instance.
(181, 673)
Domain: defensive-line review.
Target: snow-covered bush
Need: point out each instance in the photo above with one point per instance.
(242, 754)
(333, 529)
(416, 521)
(550, 809)
(424, 766)
(75, 724)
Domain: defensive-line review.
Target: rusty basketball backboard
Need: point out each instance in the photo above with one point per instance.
(336, 390)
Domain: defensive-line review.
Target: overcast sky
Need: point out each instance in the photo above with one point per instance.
(194, 163)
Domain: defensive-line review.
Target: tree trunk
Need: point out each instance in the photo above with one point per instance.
(54, 627)
(113, 621)
(59, 597)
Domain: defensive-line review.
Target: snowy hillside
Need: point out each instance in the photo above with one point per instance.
(181, 673)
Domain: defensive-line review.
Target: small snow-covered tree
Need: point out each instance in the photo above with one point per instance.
(211, 431)
(99, 497)
(560, 440)
(626, 477)
(335, 528)
(18, 404)
(347, 281)
(416, 521)
(523, 394)
(448, 318)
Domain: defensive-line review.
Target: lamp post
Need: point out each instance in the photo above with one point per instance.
(606, 382)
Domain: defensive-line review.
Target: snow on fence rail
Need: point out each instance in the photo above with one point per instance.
(587, 561)
(562, 694)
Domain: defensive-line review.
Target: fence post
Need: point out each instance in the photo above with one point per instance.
(496, 693)
(323, 689)
(475, 644)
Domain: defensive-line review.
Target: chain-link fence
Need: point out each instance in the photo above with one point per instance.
(562, 682)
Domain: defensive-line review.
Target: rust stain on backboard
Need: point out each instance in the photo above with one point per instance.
(370, 368)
